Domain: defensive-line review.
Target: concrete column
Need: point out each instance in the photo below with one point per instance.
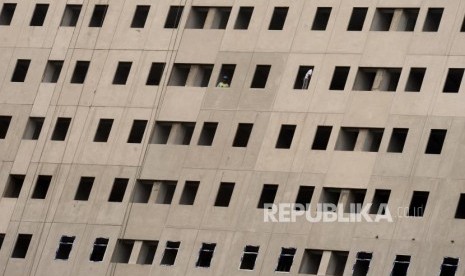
(176, 132)
(361, 139)
(325, 259)
(209, 21)
(155, 190)
(192, 77)
(135, 252)
(397, 22)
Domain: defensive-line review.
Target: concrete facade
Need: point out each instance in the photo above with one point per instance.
(408, 124)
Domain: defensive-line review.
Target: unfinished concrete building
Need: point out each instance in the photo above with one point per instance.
(145, 137)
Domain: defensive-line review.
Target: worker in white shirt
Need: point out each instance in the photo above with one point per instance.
(224, 83)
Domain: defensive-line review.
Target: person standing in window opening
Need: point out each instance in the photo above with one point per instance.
(224, 83)
(307, 79)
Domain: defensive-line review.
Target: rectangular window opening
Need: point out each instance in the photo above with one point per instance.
(189, 193)
(71, 15)
(98, 250)
(140, 16)
(433, 20)
(184, 134)
(311, 261)
(179, 75)
(161, 133)
(84, 188)
(330, 196)
(122, 73)
(241, 139)
(401, 264)
(147, 252)
(5, 122)
(142, 191)
(203, 75)
(453, 80)
(42, 186)
(155, 73)
(166, 191)
(38, 17)
(278, 18)
(321, 18)
(321, 139)
(14, 186)
(285, 137)
(80, 71)
(340, 75)
(382, 19)
(122, 251)
(286, 258)
(460, 211)
(397, 141)
(418, 204)
(64, 248)
(267, 196)
(21, 246)
(8, 10)
(436, 141)
(226, 75)
(304, 75)
(415, 79)
(61, 129)
(20, 71)
(197, 18)
(243, 18)
(205, 255)
(174, 17)
(355, 201)
(357, 19)
(373, 139)
(380, 202)
(365, 79)
(220, 21)
(449, 266)
(304, 196)
(223, 197)
(33, 128)
(98, 16)
(347, 139)
(337, 263)
(362, 263)
(260, 76)
(52, 71)
(249, 257)
(170, 254)
(137, 131)
(118, 190)
(207, 135)
(408, 20)
(103, 130)
(2, 238)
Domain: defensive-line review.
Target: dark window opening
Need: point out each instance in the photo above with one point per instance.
(408, 20)
(304, 196)
(322, 135)
(184, 134)
(401, 264)
(98, 16)
(260, 76)
(311, 261)
(122, 72)
(137, 131)
(382, 20)
(61, 129)
(388, 79)
(267, 196)
(286, 258)
(189, 193)
(197, 18)
(80, 71)
(99, 249)
(397, 141)
(357, 19)
(4, 126)
(347, 139)
(174, 17)
(64, 248)
(203, 76)
(2, 238)
(84, 188)
(155, 73)
(42, 186)
(71, 15)
(205, 255)
(52, 71)
(321, 18)
(249, 257)
(433, 19)
(103, 130)
(330, 196)
(460, 211)
(171, 251)
(8, 10)
(21, 246)
(123, 251)
(285, 137)
(355, 201)
(33, 128)
(453, 80)
(243, 18)
(362, 263)
(415, 79)
(161, 133)
(140, 16)
(241, 139)
(365, 79)
(337, 263)
(462, 29)
(118, 190)
(449, 266)
(38, 17)
(220, 21)
(418, 204)
(278, 18)
(226, 75)
(147, 252)
(207, 135)
(223, 197)
(165, 192)
(179, 75)
(14, 186)
(20, 71)
(142, 191)
(340, 75)
(379, 202)
(373, 139)
(436, 141)
(304, 75)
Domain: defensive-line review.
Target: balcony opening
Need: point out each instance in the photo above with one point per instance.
(80, 71)
(140, 16)
(71, 15)
(8, 10)
(436, 141)
(33, 128)
(340, 75)
(278, 18)
(98, 16)
(418, 204)
(415, 79)
(321, 139)
(137, 131)
(241, 139)
(397, 141)
(42, 186)
(61, 129)
(38, 17)
(118, 190)
(155, 73)
(267, 196)
(223, 197)
(243, 18)
(103, 130)
(52, 71)
(357, 19)
(189, 193)
(285, 137)
(207, 135)
(380, 202)
(84, 188)
(174, 17)
(14, 186)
